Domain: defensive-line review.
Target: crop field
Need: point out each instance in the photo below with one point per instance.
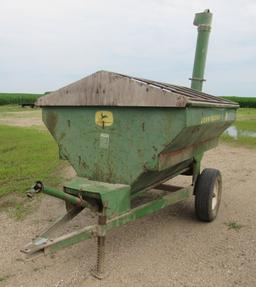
(18, 98)
(244, 102)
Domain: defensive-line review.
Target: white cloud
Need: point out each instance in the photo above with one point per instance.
(46, 44)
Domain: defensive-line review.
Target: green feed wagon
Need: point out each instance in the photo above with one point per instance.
(126, 136)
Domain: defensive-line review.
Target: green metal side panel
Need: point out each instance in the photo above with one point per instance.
(203, 128)
(138, 147)
(114, 197)
(118, 153)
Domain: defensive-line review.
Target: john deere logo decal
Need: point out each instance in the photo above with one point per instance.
(104, 118)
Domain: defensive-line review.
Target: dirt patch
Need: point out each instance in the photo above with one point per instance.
(21, 122)
(168, 248)
(21, 119)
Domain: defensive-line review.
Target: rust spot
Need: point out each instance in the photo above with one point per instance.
(181, 101)
(51, 121)
(69, 123)
(84, 165)
(184, 149)
(143, 127)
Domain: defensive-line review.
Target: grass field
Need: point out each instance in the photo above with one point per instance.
(10, 108)
(245, 123)
(27, 154)
(17, 111)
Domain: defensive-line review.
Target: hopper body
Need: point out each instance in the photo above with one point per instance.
(117, 129)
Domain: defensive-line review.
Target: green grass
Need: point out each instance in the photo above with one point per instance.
(248, 142)
(27, 155)
(4, 278)
(246, 121)
(246, 125)
(233, 225)
(15, 111)
(18, 98)
(12, 108)
(246, 114)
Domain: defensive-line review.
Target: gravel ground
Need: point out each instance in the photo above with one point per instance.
(168, 248)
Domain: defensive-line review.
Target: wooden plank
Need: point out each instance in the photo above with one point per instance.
(111, 89)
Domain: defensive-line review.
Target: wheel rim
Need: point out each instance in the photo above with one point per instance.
(215, 195)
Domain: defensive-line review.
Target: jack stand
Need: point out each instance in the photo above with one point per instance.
(99, 270)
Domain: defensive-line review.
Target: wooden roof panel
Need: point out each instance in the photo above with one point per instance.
(112, 89)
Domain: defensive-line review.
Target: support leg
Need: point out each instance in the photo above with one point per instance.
(196, 167)
(100, 257)
(99, 270)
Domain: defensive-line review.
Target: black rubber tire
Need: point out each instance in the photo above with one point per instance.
(207, 183)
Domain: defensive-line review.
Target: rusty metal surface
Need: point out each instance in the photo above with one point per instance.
(112, 89)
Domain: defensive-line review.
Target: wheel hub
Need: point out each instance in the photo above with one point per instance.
(215, 195)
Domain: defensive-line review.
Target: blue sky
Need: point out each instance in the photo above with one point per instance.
(45, 45)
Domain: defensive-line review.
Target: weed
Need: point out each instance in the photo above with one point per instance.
(233, 225)
(4, 277)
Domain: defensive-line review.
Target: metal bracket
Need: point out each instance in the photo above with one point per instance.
(43, 239)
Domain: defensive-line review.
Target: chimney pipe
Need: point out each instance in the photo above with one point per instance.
(203, 22)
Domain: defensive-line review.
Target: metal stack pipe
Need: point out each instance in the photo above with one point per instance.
(203, 22)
